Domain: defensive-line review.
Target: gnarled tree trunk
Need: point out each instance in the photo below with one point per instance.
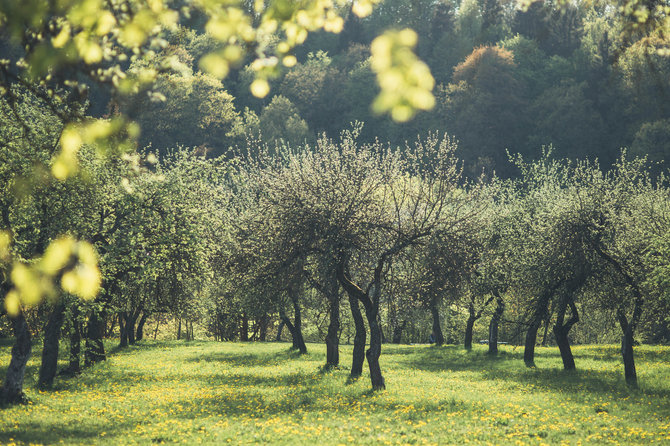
(263, 332)
(295, 327)
(374, 352)
(495, 323)
(244, 328)
(561, 330)
(75, 342)
(541, 308)
(12, 389)
(332, 338)
(437, 326)
(94, 347)
(49, 365)
(279, 329)
(123, 330)
(358, 357)
(131, 318)
(140, 327)
(627, 340)
(397, 332)
(469, 325)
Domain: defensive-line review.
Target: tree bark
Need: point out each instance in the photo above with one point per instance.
(110, 331)
(397, 332)
(529, 348)
(541, 308)
(94, 347)
(140, 327)
(547, 321)
(279, 329)
(358, 357)
(291, 329)
(298, 340)
(12, 389)
(627, 327)
(75, 342)
(562, 330)
(495, 323)
(374, 352)
(131, 318)
(49, 365)
(469, 325)
(628, 358)
(627, 340)
(437, 326)
(123, 330)
(332, 338)
(296, 335)
(244, 328)
(263, 328)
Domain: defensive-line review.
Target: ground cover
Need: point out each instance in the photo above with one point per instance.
(217, 393)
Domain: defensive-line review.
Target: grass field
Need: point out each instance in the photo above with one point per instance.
(214, 393)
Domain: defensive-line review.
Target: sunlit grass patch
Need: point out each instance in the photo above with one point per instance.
(214, 393)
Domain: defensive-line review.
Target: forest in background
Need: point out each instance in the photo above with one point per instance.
(506, 80)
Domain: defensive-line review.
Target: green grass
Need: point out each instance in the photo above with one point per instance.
(214, 393)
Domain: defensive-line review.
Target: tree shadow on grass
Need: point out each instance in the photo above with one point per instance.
(249, 359)
(32, 432)
(508, 366)
(252, 403)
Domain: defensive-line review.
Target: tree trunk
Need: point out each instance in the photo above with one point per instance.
(298, 340)
(291, 329)
(110, 331)
(279, 329)
(131, 318)
(628, 358)
(529, 348)
(296, 336)
(374, 352)
(469, 325)
(627, 341)
(297, 325)
(49, 365)
(332, 338)
(244, 328)
(546, 329)
(358, 357)
(263, 328)
(562, 330)
(94, 348)
(123, 330)
(495, 322)
(179, 330)
(140, 327)
(437, 327)
(397, 332)
(627, 327)
(541, 308)
(564, 347)
(12, 390)
(75, 342)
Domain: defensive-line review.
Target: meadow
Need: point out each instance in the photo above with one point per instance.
(216, 393)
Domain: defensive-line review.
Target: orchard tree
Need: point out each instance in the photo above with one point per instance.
(626, 220)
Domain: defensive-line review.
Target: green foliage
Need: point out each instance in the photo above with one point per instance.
(186, 109)
(653, 141)
(280, 121)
